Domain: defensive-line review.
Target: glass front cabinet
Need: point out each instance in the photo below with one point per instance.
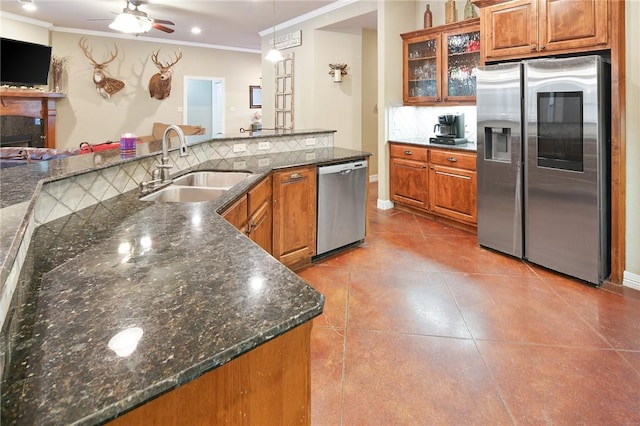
(439, 64)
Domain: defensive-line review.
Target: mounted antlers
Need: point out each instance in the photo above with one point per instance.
(106, 86)
(160, 82)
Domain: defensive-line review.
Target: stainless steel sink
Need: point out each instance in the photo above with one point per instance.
(184, 194)
(211, 179)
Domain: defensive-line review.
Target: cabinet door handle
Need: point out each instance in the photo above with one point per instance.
(248, 231)
(446, 99)
(533, 47)
(437, 99)
(452, 159)
(452, 175)
(424, 166)
(407, 152)
(295, 176)
(542, 46)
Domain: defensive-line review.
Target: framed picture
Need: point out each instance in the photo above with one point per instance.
(255, 97)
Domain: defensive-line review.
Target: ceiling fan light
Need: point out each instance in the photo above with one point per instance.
(28, 5)
(274, 55)
(131, 24)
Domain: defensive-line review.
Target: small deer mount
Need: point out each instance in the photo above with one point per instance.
(160, 82)
(337, 71)
(106, 86)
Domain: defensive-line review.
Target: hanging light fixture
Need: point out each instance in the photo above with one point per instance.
(274, 54)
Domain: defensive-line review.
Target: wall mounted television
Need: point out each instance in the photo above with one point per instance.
(23, 63)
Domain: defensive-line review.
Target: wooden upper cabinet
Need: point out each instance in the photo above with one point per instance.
(530, 28)
(509, 30)
(570, 24)
(438, 64)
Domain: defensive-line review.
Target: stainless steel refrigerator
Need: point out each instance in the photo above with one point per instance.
(543, 163)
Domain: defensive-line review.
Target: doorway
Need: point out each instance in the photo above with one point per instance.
(204, 103)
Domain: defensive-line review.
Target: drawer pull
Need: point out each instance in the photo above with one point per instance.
(453, 175)
(295, 176)
(452, 159)
(408, 153)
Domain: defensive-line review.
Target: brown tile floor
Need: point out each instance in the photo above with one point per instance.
(422, 326)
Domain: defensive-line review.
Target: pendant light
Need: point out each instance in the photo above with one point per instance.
(274, 54)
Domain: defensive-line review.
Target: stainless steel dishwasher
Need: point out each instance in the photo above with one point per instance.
(342, 205)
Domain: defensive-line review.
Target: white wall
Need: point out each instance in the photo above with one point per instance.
(318, 101)
(394, 18)
(85, 116)
(369, 123)
(633, 139)
(24, 29)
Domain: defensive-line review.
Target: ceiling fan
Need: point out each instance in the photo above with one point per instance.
(134, 21)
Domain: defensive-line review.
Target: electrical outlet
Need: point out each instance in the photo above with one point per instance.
(310, 156)
(239, 147)
(263, 145)
(310, 141)
(264, 162)
(239, 165)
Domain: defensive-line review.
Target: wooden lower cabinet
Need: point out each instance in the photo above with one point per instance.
(294, 215)
(269, 385)
(260, 222)
(453, 183)
(443, 184)
(252, 214)
(409, 176)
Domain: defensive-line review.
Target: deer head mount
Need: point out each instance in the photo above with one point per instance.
(160, 82)
(106, 86)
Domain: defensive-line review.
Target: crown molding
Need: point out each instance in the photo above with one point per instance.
(152, 40)
(26, 20)
(308, 16)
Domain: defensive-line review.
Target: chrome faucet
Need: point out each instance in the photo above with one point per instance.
(160, 174)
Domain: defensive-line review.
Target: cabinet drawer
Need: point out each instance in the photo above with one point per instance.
(454, 159)
(410, 152)
(259, 194)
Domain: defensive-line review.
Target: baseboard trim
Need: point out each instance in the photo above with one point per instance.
(629, 279)
(385, 204)
(373, 178)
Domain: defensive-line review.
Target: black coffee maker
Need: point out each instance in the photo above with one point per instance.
(449, 130)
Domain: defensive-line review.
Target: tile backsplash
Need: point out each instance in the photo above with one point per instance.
(62, 197)
(408, 122)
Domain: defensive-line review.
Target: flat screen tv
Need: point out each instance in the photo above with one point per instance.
(23, 63)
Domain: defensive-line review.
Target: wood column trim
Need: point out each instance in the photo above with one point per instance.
(33, 104)
(618, 141)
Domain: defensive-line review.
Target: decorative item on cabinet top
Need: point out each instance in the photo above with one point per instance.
(470, 10)
(428, 17)
(337, 71)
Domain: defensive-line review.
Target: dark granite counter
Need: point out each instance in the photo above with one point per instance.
(471, 146)
(183, 290)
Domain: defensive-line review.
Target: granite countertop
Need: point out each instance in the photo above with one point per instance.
(194, 290)
(470, 146)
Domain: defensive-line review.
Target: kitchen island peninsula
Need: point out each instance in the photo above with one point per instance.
(120, 304)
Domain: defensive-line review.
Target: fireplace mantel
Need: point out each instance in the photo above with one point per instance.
(31, 103)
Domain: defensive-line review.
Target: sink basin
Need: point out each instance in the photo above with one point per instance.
(209, 179)
(184, 194)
